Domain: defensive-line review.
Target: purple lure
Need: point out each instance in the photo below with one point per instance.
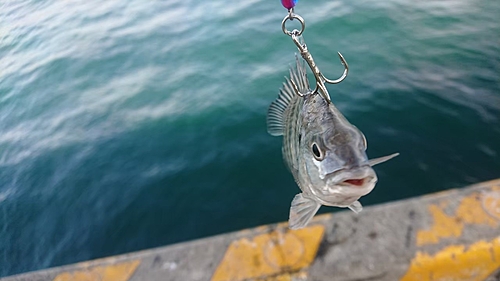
(289, 3)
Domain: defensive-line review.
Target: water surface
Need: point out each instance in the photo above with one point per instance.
(126, 125)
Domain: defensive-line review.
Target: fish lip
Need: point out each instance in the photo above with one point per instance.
(337, 192)
(355, 181)
(364, 173)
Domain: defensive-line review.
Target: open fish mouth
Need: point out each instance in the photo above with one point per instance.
(358, 178)
(355, 182)
(346, 187)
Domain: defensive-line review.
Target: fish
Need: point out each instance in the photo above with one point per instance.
(324, 152)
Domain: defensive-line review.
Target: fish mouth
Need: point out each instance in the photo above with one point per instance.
(344, 186)
(355, 182)
(357, 178)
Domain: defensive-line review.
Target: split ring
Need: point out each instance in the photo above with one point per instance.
(295, 31)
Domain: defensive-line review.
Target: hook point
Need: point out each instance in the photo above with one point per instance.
(342, 59)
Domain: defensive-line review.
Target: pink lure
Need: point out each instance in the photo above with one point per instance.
(289, 3)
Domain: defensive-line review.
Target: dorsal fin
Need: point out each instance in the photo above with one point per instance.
(275, 113)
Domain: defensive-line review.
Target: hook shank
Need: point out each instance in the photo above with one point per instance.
(304, 52)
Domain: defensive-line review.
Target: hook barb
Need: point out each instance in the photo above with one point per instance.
(344, 75)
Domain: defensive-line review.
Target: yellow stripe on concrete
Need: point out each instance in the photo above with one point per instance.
(478, 208)
(457, 263)
(491, 202)
(299, 276)
(115, 272)
(444, 226)
(271, 255)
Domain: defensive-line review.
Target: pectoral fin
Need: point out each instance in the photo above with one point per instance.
(356, 207)
(373, 162)
(302, 211)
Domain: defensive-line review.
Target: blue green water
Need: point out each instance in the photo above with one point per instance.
(126, 125)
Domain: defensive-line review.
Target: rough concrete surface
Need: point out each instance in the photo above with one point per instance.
(451, 235)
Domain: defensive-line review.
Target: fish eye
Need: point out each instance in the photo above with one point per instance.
(318, 155)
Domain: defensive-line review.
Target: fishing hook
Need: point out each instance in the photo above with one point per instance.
(304, 52)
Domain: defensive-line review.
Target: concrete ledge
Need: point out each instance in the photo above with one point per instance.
(451, 235)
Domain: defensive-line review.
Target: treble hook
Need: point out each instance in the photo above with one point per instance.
(304, 52)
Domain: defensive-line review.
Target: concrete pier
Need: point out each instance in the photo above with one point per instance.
(451, 235)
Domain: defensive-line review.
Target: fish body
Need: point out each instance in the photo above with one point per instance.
(325, 153)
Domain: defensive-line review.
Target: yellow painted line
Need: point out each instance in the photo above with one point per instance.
(274, 255)
(114, 272)
(456, 263)
(299, 276)
(491, 202)
(472, 210)
(479, 208)
(444, 226)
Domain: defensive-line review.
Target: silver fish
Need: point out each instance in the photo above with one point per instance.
(325, 153)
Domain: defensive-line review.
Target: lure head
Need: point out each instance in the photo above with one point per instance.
(335, 162)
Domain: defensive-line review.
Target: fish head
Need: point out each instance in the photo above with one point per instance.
(337, 165)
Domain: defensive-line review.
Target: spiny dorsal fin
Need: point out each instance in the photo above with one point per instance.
(275, 113)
